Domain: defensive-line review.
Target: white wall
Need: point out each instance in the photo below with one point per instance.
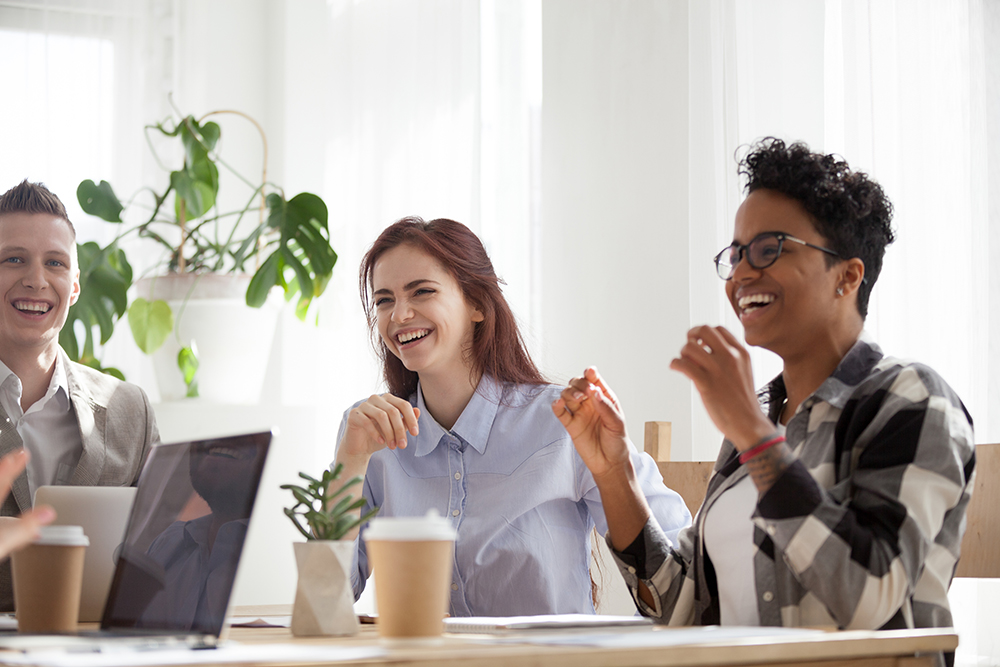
(616, 280)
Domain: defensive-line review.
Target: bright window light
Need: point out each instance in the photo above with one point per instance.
(58, 125)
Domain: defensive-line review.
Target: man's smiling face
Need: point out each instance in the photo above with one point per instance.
(39, 281)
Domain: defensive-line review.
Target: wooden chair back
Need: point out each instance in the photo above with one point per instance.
(687, 478)
(981, 543)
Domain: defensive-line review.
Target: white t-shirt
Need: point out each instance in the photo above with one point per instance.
(729, 542)
(48, 428)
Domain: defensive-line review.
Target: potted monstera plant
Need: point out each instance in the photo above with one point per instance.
(324, 598)
(190, 311)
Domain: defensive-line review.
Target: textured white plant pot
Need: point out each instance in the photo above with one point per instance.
(233, 340)
(324, 599)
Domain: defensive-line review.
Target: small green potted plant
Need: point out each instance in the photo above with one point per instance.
(325, 513)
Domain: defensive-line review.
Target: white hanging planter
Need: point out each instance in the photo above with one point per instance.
(233, 340)
(324, 598)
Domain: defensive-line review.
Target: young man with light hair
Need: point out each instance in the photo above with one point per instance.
(80, 426)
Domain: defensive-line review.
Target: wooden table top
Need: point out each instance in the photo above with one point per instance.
(833, 649)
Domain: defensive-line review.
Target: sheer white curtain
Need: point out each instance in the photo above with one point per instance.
(77, 77)
(900, 90)
(432, 111)
(906, 100)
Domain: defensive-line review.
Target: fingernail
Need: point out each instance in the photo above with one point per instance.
(579, 395)
(45, 514)
(381, 440)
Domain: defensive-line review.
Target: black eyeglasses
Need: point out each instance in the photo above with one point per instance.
(763, 251)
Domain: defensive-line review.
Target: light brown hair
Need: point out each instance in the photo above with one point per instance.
(28, 197)
(497, 346)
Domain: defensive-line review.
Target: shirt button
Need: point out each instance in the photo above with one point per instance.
(631, 569)
(768, 596)
(458, 475)
(455, 512)
(454, 587)
(771, 530)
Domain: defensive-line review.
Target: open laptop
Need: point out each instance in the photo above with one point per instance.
(182, 545)
(103, 512)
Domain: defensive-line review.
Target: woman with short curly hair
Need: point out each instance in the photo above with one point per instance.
(841, 503)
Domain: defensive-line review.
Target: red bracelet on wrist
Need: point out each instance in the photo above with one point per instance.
(757, 449)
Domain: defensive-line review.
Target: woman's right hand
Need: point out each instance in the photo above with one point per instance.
(590, 412)
(381, 421)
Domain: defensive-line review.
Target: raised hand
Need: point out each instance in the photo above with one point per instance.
(720, 368)
(17, 532)
(381, 421)
(592, 416)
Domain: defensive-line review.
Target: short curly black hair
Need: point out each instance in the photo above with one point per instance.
(849, 209)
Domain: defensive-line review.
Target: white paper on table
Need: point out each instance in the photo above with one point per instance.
(655, 638)
(547, 622)
(227, 654)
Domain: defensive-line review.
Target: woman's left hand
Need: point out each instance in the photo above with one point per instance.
(720, 368)
(591, 414)
(18, 532)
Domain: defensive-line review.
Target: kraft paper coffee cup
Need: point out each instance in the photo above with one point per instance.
(412, 561)
(47, 577)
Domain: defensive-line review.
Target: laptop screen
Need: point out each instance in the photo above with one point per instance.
(185, 534)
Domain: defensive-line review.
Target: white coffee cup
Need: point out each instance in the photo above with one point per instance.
(412, 561)
(47, 578)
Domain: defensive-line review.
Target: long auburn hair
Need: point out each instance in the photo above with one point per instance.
(497, 346)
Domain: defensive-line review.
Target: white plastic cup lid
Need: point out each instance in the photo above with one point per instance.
(410, 528)
(62, 536)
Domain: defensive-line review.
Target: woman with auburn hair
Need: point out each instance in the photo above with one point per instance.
(842, 502)
(466, 429)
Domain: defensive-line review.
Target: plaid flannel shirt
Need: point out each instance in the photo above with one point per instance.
(861, 531)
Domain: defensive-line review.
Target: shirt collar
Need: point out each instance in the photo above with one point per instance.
(856, 365)
(4, 372)
(474, 424)
(196, 530)
(58, 381)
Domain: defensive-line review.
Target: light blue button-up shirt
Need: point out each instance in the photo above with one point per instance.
(519, 496)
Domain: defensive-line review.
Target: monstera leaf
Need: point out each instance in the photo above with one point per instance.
(303, 252)
(105, 276)
(99, 200)
(197, 183)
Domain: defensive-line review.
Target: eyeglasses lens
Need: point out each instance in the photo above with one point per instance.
(726, 260)
(763, 251)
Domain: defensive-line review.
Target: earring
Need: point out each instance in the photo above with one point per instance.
(840, 291)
